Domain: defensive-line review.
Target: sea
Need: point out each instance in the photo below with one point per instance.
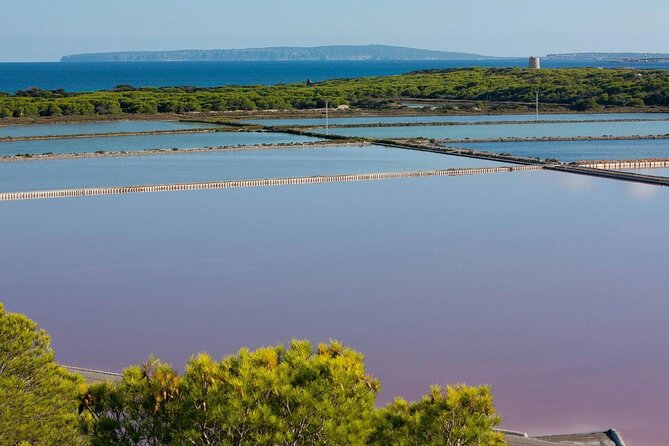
(78, 77)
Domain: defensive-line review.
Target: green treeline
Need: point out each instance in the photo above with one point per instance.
(298, 395)
(577, 88)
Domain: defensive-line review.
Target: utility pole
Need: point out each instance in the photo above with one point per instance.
(327, 117)
(537, 104)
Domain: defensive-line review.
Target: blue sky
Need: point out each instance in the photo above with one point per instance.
(35, 30)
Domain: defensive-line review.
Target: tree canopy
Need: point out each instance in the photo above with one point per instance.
(294, 396)
(272, 396)
(299, 395)
(38, 398)
(458, 415)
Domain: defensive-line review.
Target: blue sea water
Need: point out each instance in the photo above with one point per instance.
(99, 76)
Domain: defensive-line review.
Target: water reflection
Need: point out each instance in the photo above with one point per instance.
(642, 192)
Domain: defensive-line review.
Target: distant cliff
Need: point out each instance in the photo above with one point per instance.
(611, 56)
(338, 52)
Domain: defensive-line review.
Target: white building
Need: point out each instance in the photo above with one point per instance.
(535, 63)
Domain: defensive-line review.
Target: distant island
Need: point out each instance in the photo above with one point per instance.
(335, 53)
(613, 57)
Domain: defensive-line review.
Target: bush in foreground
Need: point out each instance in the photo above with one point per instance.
(291, 396)
(280, 396)
(272, 396)
(460, 415)
(38, 398)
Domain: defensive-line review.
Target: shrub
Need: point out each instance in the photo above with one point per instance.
(38, 398)
(461, 415)
(272, 396)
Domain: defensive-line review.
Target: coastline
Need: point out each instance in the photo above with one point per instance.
(240, 127)
(554, 139)
(150, 152)
(458, 123)
(222, 129)
(316, 113)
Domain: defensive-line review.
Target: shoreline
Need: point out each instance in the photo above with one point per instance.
(638, 164)
(240, 127)
(222, 129)
(151, 152)
(551, 139)
(456, 123)
(238, 115)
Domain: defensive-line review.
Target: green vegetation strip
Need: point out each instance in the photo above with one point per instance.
(575, 88)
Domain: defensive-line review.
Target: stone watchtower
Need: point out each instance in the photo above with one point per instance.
(535, 63)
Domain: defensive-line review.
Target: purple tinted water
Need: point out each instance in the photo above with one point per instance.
(550, 287)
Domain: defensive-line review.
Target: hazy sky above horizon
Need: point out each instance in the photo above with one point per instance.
(45, 30)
